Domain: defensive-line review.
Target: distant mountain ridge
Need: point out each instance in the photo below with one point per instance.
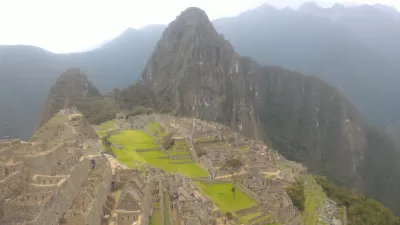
(335, 51)
(296, 40)
(27, 73)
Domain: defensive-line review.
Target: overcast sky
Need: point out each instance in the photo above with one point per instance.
(74, 25)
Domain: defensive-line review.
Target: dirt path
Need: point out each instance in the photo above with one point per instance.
(266, 173)
(175, 217)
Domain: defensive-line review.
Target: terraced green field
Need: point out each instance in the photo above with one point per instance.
(104, 127)
(315, 197)
(222, 196)
(250, 216)
(156, 218)
(132, 140)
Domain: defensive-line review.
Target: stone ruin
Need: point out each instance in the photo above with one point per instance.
(50, 180)
(61, 177)
(260, 177)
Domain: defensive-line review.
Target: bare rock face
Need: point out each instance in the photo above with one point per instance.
(195, 72)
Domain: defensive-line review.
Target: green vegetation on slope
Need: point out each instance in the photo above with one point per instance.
(221, 194)
(97, 110)
(380, 169)
(314, 198)
(296, 193)
(360, 210)
(103, 128)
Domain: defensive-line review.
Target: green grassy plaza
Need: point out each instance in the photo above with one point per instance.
(221, 194)
(132, 140)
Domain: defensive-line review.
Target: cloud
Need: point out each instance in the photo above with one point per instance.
(74, 25)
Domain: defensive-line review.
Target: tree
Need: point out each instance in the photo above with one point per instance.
(296, 194)
(233, 165)
(369, 212)
(167, 141)
(360, 210)
(229, 215)
(200, 151)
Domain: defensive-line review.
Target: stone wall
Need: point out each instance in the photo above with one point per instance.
(127, 218)
(96, 209)
(11, 187)
(248, 192)
(42, 163)
(47, 180)
(8, 143)
(7, 169)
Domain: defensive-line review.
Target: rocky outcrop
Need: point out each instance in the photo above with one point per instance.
(195, 72)
(73, 89)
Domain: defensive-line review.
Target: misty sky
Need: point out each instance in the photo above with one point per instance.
(74, 25)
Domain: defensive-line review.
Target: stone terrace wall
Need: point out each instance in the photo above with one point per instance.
(42, 163)
(60, 201)
(96, 209)
(8, 143)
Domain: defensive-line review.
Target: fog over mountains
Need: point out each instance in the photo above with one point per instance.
(354, 49)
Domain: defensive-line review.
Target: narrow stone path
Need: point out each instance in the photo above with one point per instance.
(175, 217)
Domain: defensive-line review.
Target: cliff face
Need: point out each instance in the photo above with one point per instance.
(73, 89)
(309, 121)
(195, 72)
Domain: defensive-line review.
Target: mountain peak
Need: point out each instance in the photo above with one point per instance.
(309, 6)
(338, 6)
(193, 15)
(69, 89)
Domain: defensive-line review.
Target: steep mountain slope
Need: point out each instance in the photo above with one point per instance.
(195, 72)
(326, 48)
(27, 73)
(72, 89)
(393, 130)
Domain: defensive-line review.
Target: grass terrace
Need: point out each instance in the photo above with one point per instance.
(221, 195)
(103, 128)
(244, 148)
(315, 197)
(156, 218)
(133, 140)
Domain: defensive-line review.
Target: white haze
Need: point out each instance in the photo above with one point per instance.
(75, 25)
